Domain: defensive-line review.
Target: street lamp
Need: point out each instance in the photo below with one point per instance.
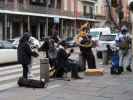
(75, 15)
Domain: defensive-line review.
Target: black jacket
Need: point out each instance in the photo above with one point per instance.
(62, 58)
(24, 53)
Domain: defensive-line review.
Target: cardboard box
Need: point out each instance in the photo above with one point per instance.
(94, 72)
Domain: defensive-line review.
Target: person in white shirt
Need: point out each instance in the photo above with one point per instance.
(123, 41)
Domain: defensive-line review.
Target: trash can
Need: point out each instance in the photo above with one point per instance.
(104, 57)
(44, 69)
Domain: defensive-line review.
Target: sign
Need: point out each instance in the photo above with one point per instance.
(56, 19)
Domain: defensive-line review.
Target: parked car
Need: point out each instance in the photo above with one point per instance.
(8, 52)
(96, 32)
(70, 42)
(103, 41)
(33, 41)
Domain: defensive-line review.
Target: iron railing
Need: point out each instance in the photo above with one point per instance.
(40, 9)
(34, 9)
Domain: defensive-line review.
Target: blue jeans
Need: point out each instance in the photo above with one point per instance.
(125, 54)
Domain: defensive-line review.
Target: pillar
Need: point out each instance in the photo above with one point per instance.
(46, 34)
(28, 21)
(38, 31)
(10, 30)
(15, 4)
(62, 28)
(6, 1)
(55, 5)
(21, 28)
(5, 27)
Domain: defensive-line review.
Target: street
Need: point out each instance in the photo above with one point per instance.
(106, 87)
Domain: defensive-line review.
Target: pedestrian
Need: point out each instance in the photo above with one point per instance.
(123, 41)
(78, 39)
(34, 48)
(45, 46)
(52, 53)
(86, 45)
(109, 53)
(64, 64)
(24, 53)
(55, 37)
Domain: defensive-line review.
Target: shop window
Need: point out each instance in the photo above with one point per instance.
(38, 2)
(58, 4)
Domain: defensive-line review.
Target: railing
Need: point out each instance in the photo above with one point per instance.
(88, 15)
(34, 9)
(92, 1)
(39, 9)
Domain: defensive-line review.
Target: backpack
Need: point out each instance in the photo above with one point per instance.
(124, 42)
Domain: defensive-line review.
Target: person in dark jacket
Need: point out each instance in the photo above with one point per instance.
(45, 46)
(65, 64)
(24, 53)
(86, 45)
(55, 37)
(52, 53)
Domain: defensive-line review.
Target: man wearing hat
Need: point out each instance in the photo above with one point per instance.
(24, 53)
(63, 62)
(123, 41)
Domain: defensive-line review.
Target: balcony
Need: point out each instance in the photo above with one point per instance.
(90, 1)
(34, 9)
(90, 16)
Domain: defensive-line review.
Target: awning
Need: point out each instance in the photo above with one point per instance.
(46, 15)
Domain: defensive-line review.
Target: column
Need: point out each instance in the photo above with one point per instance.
(5, 30)
(55, 5)
(28, 21)
(38, 31)
(62, 28)
(25, 3)
(6, 1)
(46, 34)
(15, 4)
(71, 31)
(10, 30)
(21, 28)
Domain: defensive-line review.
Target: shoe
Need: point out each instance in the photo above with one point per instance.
(129, 68)
(121, 69)
(78, 77)
(67, 79)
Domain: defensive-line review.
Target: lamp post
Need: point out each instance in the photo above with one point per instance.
(75, 15)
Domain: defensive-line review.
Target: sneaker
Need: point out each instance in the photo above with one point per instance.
(121, 69)
(129, 68)
(67, 79)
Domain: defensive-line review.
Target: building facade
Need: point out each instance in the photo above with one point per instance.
(44, 17)
(120, 12)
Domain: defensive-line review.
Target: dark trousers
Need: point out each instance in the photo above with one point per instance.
(71, 66)
(25, 71)
(68, 66)
(90, 60)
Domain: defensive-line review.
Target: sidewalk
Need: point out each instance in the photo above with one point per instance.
(104, 87)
